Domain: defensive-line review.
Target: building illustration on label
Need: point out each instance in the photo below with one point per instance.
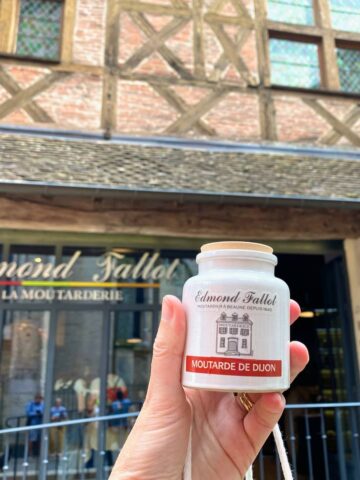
(234, 335)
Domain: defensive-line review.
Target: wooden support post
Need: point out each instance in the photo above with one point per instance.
(329, 58)
(267, 115)
(262, 42)
(68, 31)
(109, 104)
(9, 13)
(198, 39)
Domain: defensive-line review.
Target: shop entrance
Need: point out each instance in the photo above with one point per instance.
(319, 439)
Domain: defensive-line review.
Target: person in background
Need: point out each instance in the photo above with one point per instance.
(34, 416)
(117, 432)
(121, 405)
(58, 413)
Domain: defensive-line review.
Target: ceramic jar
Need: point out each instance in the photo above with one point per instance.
(237, 321)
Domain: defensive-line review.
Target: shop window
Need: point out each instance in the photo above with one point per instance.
(23, 350)
(180, 267)
(294, 64)
(222, 342)
(348, 60)
(244, 343)
(77, 360)
(223, 330)
(291, 11)
(234, 331)
(345, 15)
(32, 29)
(130, 357)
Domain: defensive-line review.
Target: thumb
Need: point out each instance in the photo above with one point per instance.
(165, 378)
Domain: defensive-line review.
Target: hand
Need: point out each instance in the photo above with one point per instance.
(225, 438)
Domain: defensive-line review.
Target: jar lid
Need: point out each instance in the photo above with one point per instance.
(234, 245)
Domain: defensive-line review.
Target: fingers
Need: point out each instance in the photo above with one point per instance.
(262, 418)
(295, 311)
(299, 357)
(165, 378)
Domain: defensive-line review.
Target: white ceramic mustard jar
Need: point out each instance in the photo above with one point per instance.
(238, 329)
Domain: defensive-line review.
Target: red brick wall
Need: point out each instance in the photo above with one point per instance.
(89, 33)
(75, 102)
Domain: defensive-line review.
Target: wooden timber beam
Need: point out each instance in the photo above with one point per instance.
(195, 112)
(110, 78)
(328, 46)
(172, 219)
(179, 104)
(349, 119)
(335, 123)
(156, 40)
(198, 39)
(154, 8)
(37, 113)
(168, 55)
(67, 40)
(23, 97)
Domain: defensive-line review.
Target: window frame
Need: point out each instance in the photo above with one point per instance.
(10, 16)
(324, 36)
(299, 38)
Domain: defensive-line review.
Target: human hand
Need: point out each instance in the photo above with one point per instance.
(225, 438)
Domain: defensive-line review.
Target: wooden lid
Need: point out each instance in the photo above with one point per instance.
(258, 247)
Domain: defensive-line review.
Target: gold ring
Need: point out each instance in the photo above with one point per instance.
(245, 401)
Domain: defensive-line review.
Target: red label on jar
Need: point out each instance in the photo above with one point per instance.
(234, 366)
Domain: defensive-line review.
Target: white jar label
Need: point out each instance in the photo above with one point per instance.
(238, 333)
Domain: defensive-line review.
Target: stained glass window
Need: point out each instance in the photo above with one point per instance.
(294, 64)
(39, 29)
(291, 11)
(349, 69)
(345, 15)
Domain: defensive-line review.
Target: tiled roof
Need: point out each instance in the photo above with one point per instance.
(25, 158)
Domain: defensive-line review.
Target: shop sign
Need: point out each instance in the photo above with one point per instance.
(48, 282)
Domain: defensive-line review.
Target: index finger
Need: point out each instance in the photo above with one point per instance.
(295, 311)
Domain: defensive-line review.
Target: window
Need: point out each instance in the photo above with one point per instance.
(244, 343)
(222, 330)
(39, 29)
(291, 11)
(294, 64)
(222, 342)
(244, 332)
(234, 331)
(345, 15)
(31, 28)
(348, 60)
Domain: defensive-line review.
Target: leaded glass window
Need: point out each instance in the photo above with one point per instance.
(291, 11)
(294, 64)
(39, 30)
(349, 69)
(345, 15)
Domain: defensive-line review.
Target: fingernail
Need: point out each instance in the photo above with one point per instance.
(167, 310)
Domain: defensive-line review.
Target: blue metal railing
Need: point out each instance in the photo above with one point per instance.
(323, 441)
